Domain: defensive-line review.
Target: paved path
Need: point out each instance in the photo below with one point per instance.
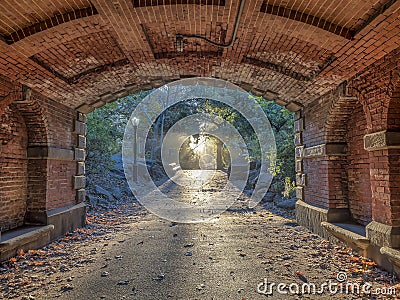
(150, 258)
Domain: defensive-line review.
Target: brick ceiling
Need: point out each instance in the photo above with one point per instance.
(83, 53)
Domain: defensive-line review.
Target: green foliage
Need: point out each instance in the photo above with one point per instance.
(290, 188)
(282, 122)
(106, 129)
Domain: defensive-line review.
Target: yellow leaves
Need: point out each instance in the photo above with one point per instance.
(370, 263)
(354, 259)
(356, 270)
(13, 259)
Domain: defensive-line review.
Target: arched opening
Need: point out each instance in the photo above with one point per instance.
(31, 111)
(358, 170)
(350, 175)
(14, 169)
(114, 115)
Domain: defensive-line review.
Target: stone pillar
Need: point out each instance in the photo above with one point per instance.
(301, 178)
(384, 150)
(80, 154)
(323, 200)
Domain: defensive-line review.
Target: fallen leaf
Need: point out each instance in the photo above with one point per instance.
(301, 277)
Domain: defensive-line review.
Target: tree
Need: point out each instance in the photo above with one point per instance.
(106, 127)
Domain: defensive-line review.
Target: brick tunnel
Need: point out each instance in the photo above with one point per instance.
(336, 65)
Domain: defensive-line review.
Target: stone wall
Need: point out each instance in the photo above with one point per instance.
(351, 156)
(42, 149)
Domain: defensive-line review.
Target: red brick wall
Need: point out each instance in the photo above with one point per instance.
(60, 190)
(315, 116)
(37, 175)
(378, 90)
(316, 191)
(359, 187)
(13, 171)
(394, 179)
(58, 121)
(44, 184)
(337, 182)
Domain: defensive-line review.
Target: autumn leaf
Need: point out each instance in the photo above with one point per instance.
(301, 277)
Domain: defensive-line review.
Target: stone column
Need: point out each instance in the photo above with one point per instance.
(301, 178)
(319, 179)
(80, 154)
(384, 154)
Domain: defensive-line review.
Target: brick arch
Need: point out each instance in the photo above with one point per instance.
(33, 114)
(14, 170)
(339, 113)
(347, 123)
(37, 136)
(159, 82)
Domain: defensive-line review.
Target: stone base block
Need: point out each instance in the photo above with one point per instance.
(66, 219)
(53, 224)
(311, 216)
(378, 243)
(25, 238)
(393, 256)
(349, 237)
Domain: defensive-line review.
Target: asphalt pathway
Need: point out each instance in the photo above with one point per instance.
(238, 255)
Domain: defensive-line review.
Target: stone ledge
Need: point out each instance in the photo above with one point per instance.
(80, 128)
(347, 236)
(79, 154)
(50, 153)
(325, 150)
(81, 143)
(383, 235)
(301, 179)
(312, 216)
(294, 106)
(80, 168)
(382, 140)
(32, 239)
(299, 125)
(393, 255)
(82, 117)
(85, 108)
(66, 219)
